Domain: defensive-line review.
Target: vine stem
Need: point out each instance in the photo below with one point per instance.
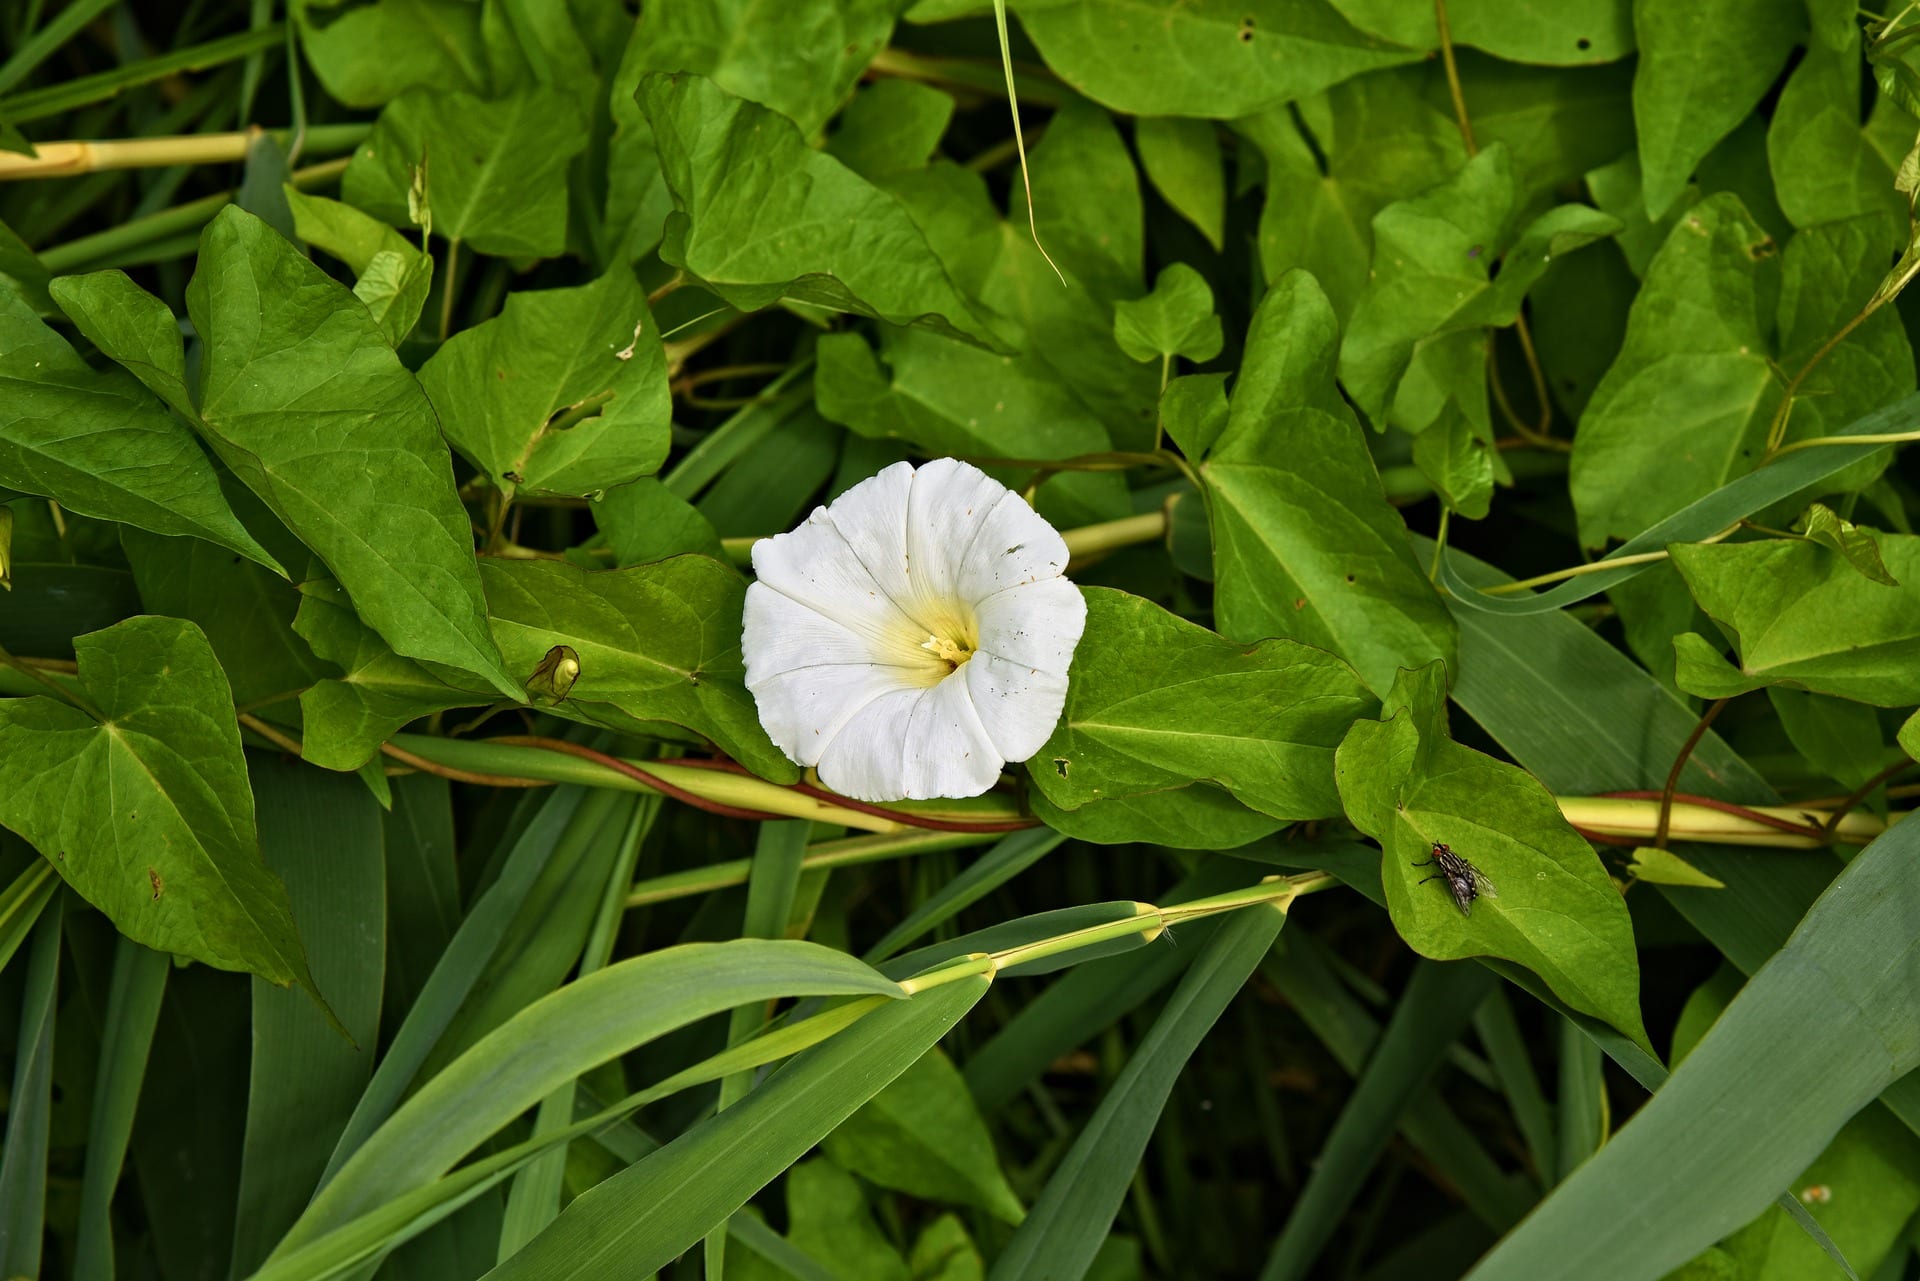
(1594, 567)
(1700, 727)
(1861, 793)
(1453, 78)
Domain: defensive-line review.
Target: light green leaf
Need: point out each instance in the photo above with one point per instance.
(370, 55)
(1155, 702)
(496, 169)
(922, 1135)
(891, 126)
(304, 399)
(1840, 738)
(1702, 69)
(1182, 159)
(133, 327)
(395, 287)
(96, 442)
(346, 719)
(759, 216)
(944, 1252)
(1305, 545)
(1457, 462)
(829, 1220)
(643, 1217)
(1860, 545)
(1384, 142)
(1800, 614)
(1550, 32)
(1176, 319)
(1209, 59)
(562, 394)
(1554, 910)
(657, 642)
(1664, 867)
(162, 839)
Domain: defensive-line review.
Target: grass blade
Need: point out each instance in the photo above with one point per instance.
(1008, 858)
(1758, 1099)
(641, 1219)
(1439, 1001)
(1499, 1032)
(23, 1166)
(22, 903)
(133, 1009)
(1075, 1210)
(321, 833)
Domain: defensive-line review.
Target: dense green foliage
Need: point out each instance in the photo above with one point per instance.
(398, 877)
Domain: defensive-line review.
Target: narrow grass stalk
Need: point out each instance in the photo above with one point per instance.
(66, 159)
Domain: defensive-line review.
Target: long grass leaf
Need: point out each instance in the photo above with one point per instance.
(1074, 1212)
(1009, 857)
(23, 1165)
(1439, 1001)
(642, 1218)
(1826, 1025)
(133, 1008)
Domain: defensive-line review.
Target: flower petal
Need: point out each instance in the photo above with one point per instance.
(945, 512)
(871, 519)
(1017, 705)
(1035, 625)
(780, 634)
(913, 745)
(813, 566)
(804, 709)
(1013, 545)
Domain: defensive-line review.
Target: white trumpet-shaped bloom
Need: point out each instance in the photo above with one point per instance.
(913, 636)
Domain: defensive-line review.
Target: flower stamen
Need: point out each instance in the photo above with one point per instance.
(951, 652)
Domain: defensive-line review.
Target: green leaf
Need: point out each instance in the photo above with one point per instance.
(1839, 737)
(944, 1252)
(1429, 281)
(759, 216)
(1664, 867)
(640, 1219)
(1155, 702)
(1457, 462)
(829, 1220)
(1702, 69)
(1383, 142)
(557, 1038)
(1074, 1212)
(922, 1135)
(1825, 168)
(1860, 545)
(394, 275)
(1697, 377)
(23, 1160)
(1305, 545)
(890, 126)
(800, 59)
(164, 842)
(286, 344)
(22, 272)
(657, 642)
(496, 169)
(1197, 817)
(1411, 787)
(1211, 59)
(563, 394)
(1193, 411)
(1757, 1100)
(1564, 33)
(346, 719)
(1801, 614)
(1176, 319)
(645, 521)
(246, 612)
(1182, 159)
(370, 55)
(133, 1009)
(97, 443)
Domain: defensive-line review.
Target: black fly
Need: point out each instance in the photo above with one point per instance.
(1463, 880)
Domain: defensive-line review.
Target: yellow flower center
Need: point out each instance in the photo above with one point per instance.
(947, 650)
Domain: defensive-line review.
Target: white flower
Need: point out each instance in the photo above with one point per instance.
(913, 636)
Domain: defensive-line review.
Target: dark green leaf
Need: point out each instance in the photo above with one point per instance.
(1182, 159)
(890, 126)
(370, 55)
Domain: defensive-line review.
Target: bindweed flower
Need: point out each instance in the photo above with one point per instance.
(913, 636)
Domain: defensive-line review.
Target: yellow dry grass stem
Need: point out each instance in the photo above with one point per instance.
(1638, 819)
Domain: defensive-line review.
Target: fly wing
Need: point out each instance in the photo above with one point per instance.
(1462, 888)
(1481, 885)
